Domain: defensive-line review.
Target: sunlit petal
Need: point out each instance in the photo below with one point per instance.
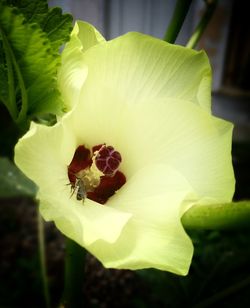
(73, 70)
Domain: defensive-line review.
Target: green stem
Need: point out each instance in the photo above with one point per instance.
(74, 274)
(41, 242)
(218, 216)
(210, 276)
(11, 103)
(210, 8)
(24, 97)
(180, 12)
(21, 118)
(210, 302)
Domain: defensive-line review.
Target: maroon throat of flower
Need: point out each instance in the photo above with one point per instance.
(94, 173)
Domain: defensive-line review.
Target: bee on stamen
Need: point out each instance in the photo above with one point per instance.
(79, 188)
(81, 193)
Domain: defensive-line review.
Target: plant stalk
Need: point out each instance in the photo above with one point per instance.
(235, 215)
(180, 12)
(41, 243)
(213, 300)
(209, 11)
(74, 275)
(11, 103)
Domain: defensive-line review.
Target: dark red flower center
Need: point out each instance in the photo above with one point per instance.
(94, 174)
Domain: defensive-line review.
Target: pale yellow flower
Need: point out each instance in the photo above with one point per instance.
(150, 100)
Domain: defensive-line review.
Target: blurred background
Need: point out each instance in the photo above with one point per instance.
(220, 271)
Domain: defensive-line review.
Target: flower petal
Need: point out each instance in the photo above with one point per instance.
(87, 35)
(151, 101)
(197, 144)
(84, 223)
(43, 154)
(154, 236)
(73, 70)
(138, 66)
(171, 131)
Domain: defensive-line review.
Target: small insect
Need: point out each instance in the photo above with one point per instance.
(79, 187)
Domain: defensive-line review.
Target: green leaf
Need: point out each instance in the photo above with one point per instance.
(3, 77)
(30, 37)
(33, 62)
(13, 182)
(56, 25)
(34, 11)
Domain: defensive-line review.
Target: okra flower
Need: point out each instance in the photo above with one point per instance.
(137, 149)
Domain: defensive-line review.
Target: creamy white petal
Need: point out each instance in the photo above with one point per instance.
(151, 101)
(154, 236)
(84, 223)
(192, 141)
(43, 154)
(137, 66)
(172, 131)
(73, 70)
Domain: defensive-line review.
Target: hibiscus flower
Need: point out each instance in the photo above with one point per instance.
(137, 148)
